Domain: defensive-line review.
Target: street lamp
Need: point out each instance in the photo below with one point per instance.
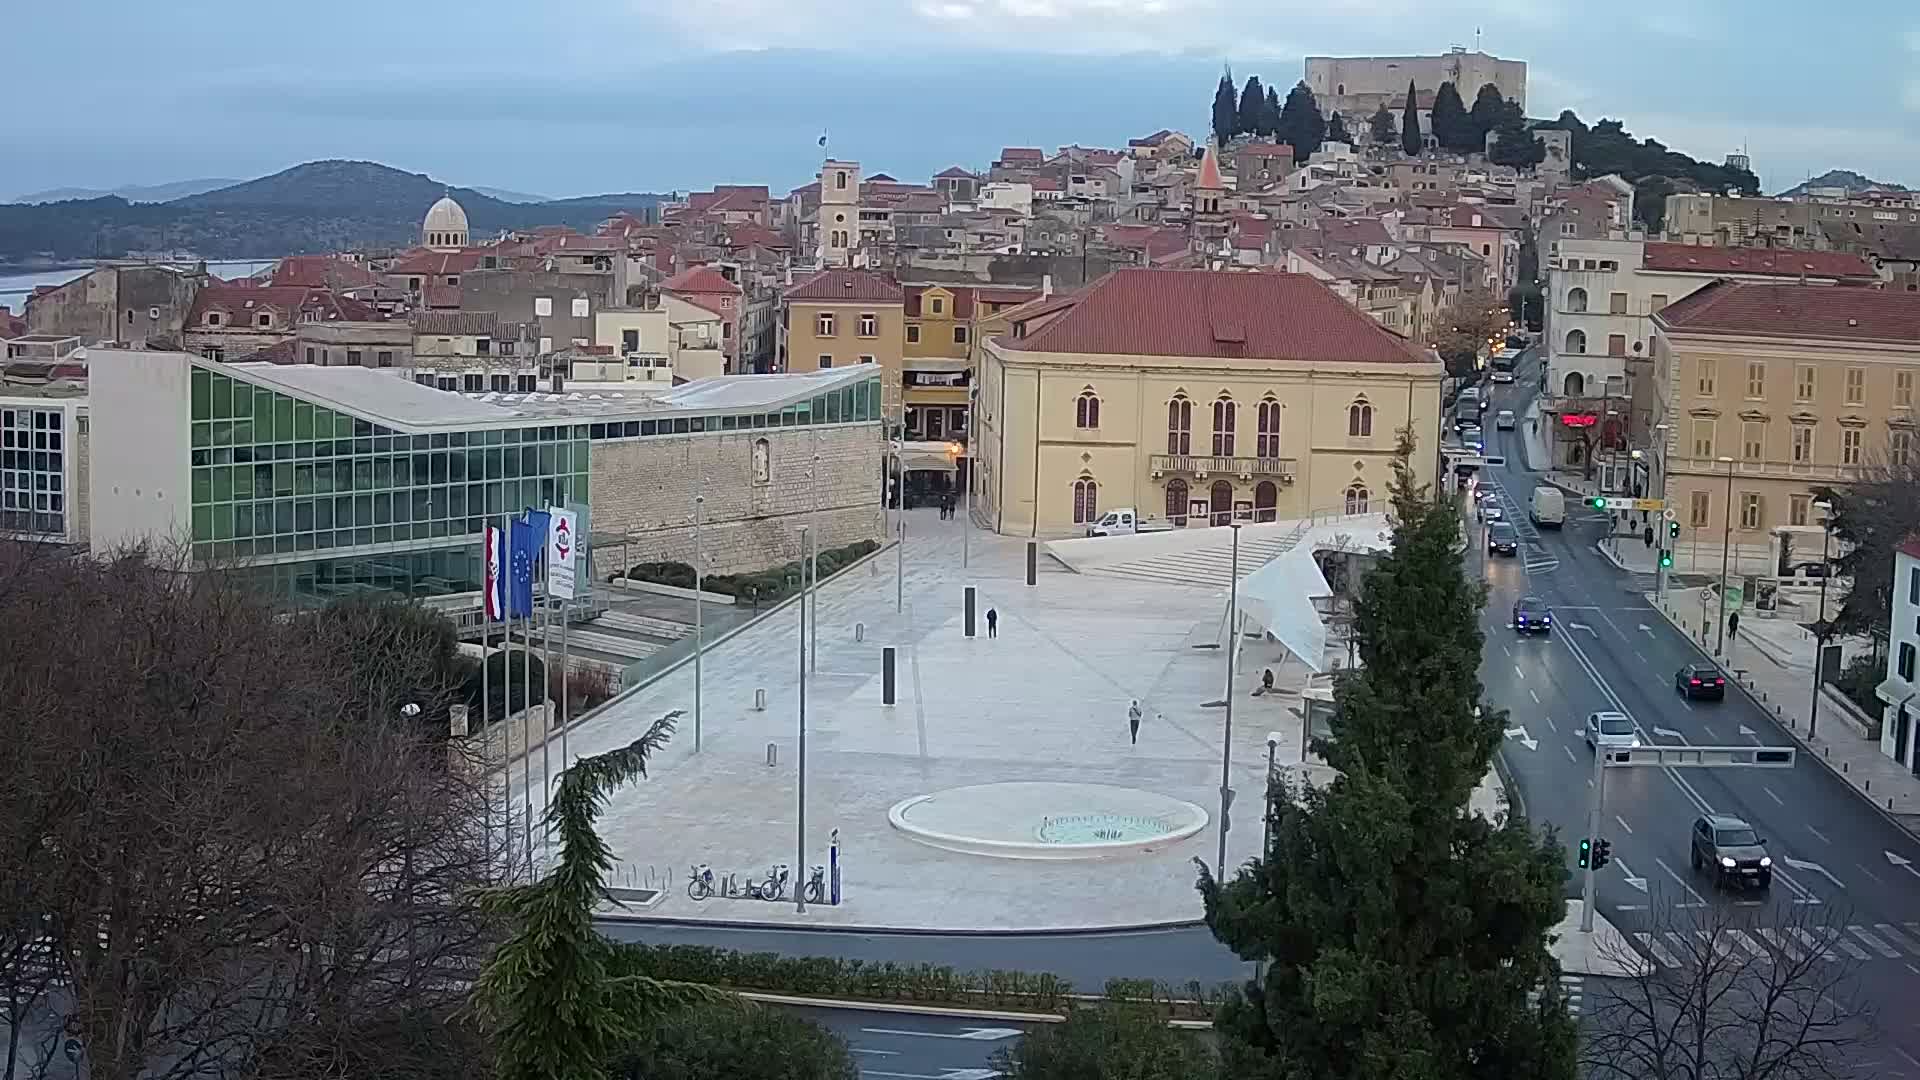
(1820, 624)
(1266, 823)
(1658, 460)
(800, 817)
(1226, 736)
(699, 608)
(1726, 548)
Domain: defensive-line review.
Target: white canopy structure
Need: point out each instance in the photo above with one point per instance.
(1279, 596)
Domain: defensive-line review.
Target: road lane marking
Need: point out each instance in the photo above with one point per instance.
(1507, 650)
(1710, 733)
(1554, 726)
(972, 1034)
(1832, 936)
(875, 1053)
(1813, 945)
(1778, 801)
(1534, 696)
(1517, 671)
(1752, 947)
(1888, 931)
(1871, 876)
(1683, 882)
(1779, 942)
(1623, 824)
(1911, 1060)
(1651, 944)
(1822, 836)
(1875, 943)
(1570, 757)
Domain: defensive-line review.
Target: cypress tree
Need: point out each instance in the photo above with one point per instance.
(1251, 115)
(1410, 140)
(1406, 937)
(1271, 115)
(1301, 125)
(1382, 127)
(1337, 130)
(1225, 115)
(1489, 110)
(1451, 129)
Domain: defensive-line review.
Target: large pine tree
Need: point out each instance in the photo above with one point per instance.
(1252, 113)
(1301, 125)
(1337, 130)
(1490, 110)
(1405, 936)
(1451, 128)
(1410, 140)
(1225, 116)
(1382, 127)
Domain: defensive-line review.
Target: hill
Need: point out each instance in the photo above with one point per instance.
(315, 207)
(1841, 178)
(505, 195)
(154, 193)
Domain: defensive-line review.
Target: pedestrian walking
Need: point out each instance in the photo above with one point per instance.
(1133, 722)
(993, 623)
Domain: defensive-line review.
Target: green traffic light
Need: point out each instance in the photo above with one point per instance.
(1599, 503)
(1586, 852)
(1666, 559)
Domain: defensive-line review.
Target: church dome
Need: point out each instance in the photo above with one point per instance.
(445, 225)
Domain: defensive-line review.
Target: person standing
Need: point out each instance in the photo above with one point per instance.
(993, 623)
(1133, 722)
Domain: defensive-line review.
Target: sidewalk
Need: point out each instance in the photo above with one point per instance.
(1773, 659)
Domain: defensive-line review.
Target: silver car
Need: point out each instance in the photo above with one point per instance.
(1613, 730)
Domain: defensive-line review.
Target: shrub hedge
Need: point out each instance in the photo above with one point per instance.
(768, 586)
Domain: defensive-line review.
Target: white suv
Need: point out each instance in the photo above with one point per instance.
(1613, 730)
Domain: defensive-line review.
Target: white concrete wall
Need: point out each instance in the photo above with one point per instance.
(141, 427)
(1903, 630)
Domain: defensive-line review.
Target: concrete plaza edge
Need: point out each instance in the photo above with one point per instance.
(636, 919)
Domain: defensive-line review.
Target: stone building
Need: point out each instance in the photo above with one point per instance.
(134, 307)
(1354, 86)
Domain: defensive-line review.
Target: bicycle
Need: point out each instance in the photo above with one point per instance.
(773, 887)
(700, 884)
(816, 891)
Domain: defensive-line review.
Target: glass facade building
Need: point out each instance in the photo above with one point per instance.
(33, 469)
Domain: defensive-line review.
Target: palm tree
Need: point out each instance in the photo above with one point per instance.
(553, 1007)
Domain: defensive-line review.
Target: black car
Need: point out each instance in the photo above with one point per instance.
(1700, 680)
(1729, 848)
(1530, 616)
(1503, 539)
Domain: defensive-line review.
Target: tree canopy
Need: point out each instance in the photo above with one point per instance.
(1405, 937)
(1451, 126)
(1411, 141)
(1301, 125)
(1490, 110)
(1654, 170)
(1251, 116)
(1514, 145)
(1337, 130)
(1226, 114)
(1382, 127)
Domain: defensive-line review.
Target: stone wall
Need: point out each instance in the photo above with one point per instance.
(644, 488)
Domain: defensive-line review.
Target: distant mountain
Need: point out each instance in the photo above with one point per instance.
(511, 196)
(316, 207)
(155, 193)
(1841, 178)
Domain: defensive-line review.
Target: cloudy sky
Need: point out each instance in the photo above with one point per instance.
(569, 97)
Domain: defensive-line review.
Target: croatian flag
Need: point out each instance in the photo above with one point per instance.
(496, 573)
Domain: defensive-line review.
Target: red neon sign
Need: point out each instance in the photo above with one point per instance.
(1579, 419)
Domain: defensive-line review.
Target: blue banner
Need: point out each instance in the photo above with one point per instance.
(528, 544)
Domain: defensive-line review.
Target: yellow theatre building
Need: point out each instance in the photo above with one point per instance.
(1198, 396)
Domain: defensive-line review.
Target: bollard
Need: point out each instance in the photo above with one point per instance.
(1843, 768)
(886, 676)
(773, 754)
(833, 867)
(760, 699)
(968, 622)
(1033, 562)
(859, 631)
(1866, 785)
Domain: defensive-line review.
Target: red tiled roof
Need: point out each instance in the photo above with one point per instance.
(321, 272)
(440, 297)
(1154, 139)
(291, 300)
(1809, 312)
(952, 172)
(1265, 150)
(1210, 171)
(1910, 547)
(848, 286)
(1228, 316)
(1044, 183)
(700, 279)
(1022, 153)
(1776, 261)
(425, 262)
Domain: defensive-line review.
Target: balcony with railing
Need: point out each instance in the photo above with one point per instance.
(1770, 468)
(1199, 466)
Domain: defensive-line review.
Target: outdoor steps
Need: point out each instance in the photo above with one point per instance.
(611, 644)
(645, 625)
(1208, 567)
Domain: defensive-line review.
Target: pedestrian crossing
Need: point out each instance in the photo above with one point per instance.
(1572, 987)
(1857, 943)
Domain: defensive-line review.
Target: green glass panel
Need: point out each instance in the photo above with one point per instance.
(221, 390)
(202, 433)
(262, 414)
(242, 431)
(223, 523)
(202, 394)
(283, 479)
(303, 420)
(223, 433)
(222, 483)
(243, 519)
(202, 486)
(202, 523)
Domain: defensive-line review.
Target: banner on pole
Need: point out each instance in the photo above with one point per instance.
(562, 543)
(496, 574)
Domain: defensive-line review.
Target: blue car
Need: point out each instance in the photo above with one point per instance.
(1530, 616)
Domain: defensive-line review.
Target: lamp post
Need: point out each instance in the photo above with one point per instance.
(1726, 549)
(1226, 735)
(1820, 625)
(900, 551)
(1659, 458)
(800, 816)
(1266, 822)
(699, 609)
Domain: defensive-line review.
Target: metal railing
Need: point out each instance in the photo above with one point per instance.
(1203, 465)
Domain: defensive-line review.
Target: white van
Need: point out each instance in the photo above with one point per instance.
(1124, 522)
(1548, 508)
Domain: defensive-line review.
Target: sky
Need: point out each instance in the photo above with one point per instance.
(574, 97)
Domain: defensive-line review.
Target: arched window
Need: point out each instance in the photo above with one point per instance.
(1223, 417)
(1220, 500)
(1576, 299)
(1576, 341)
(1179, 425)
(1357, 496)
(1086, 409)
(1177, 501)
(1360, 419)
(1267, 443)
(1266, 500)
(1086, 501)
(1575, 384)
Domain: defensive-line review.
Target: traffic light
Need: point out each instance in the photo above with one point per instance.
(1603, 854)
(1586, 852)
(1673, 529)
(1666, 558)
(1598, 502)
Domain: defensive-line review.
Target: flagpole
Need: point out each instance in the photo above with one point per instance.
(546, 670)
(526, 718)
(486, 636)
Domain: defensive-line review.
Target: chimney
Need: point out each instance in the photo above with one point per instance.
(1046, 286)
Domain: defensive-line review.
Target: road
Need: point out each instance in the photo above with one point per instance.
(892, 1046)
(1610, 650)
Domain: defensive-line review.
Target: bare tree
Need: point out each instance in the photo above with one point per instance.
(250, 859)
(1731, 993)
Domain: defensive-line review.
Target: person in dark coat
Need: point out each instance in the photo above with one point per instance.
(1133, 722)
(993, 623)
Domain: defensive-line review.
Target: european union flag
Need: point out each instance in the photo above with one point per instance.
(527, 545)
